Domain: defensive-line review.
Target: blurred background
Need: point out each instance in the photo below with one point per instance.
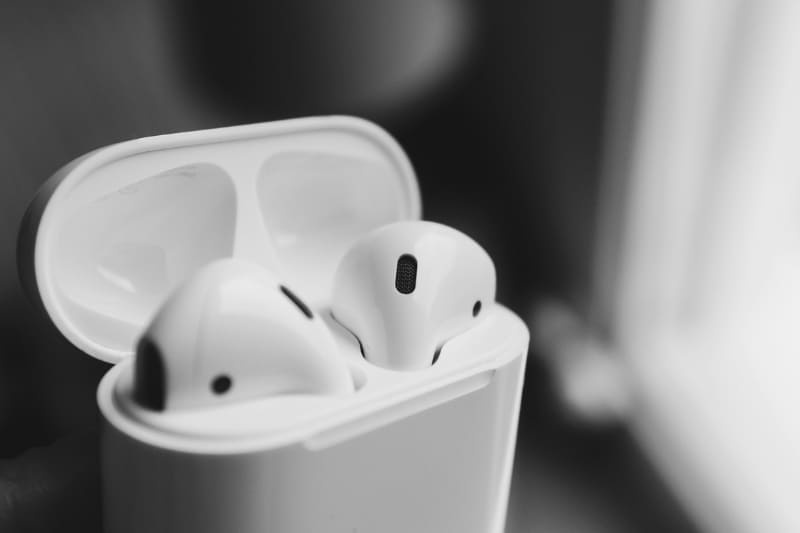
(546, 130)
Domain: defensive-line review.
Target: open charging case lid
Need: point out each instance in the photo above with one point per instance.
(110, 235)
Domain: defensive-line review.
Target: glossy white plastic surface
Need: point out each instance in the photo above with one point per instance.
(112, 233)
(424, 451)
(454, 282)
(232, 324)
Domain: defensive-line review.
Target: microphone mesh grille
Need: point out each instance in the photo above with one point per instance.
(405, 279)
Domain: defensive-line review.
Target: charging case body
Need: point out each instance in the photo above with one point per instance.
(110, 236)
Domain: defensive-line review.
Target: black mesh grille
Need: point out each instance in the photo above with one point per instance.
(405, 279)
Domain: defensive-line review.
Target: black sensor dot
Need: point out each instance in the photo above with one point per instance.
(297, 302)
(476, 308)
(405, 277)
(221, 384)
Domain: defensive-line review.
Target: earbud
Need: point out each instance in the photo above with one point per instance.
(407, 288)
(230, 333)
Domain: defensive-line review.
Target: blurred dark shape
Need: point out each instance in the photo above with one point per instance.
(573, 478)
(284, 59)
(53, 488)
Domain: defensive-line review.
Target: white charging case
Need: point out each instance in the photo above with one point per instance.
(112, 233)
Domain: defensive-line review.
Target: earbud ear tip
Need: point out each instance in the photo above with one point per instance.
(149, 383)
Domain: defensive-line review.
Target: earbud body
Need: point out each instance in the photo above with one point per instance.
(407, 288)
(232, 333)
